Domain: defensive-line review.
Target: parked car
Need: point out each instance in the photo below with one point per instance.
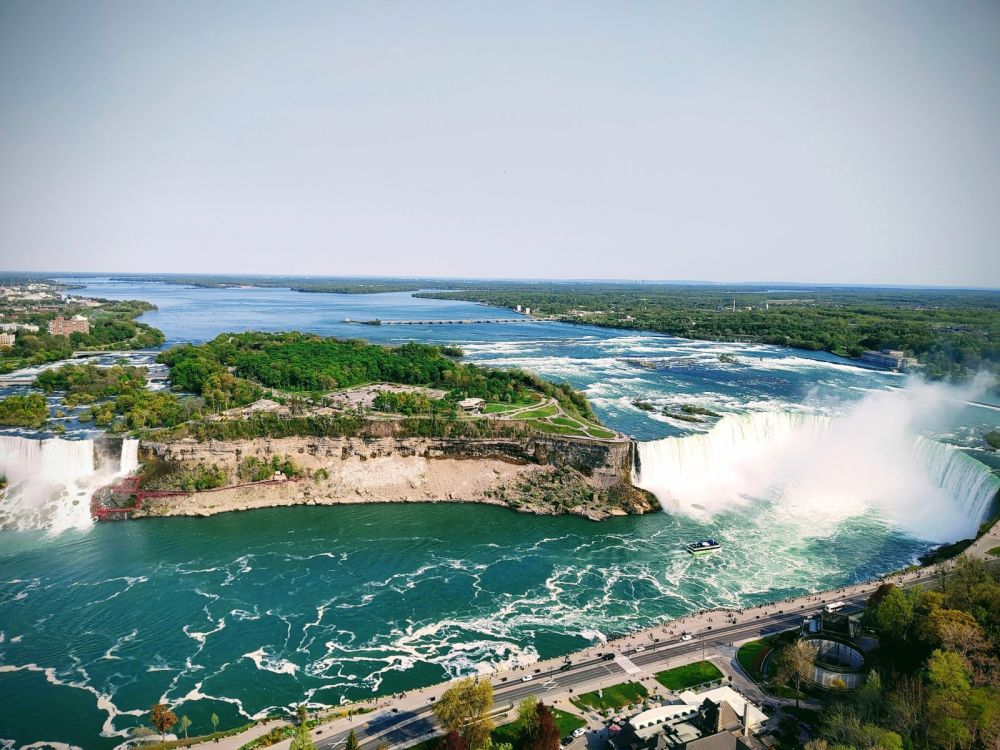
(686, 637)
(639, 648)
(527, 678)
(578, 732)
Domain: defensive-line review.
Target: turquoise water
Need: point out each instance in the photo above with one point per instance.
(244, 613)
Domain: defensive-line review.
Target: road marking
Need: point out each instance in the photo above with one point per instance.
(625, 663)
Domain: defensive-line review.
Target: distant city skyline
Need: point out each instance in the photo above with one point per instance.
(814, 143)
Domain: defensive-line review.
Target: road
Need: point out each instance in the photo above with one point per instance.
(408, 725)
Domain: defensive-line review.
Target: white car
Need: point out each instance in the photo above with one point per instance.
(527, 678)
(639, 648)
(578, 732)
(686, 637)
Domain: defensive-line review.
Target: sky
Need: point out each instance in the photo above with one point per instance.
(840, 141)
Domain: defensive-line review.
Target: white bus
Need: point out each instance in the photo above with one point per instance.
(834, 607)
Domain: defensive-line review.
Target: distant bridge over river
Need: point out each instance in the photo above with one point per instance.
(452, 322)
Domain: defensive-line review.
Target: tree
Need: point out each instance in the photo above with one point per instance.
(162, 719)
(453, 741)
(465, 708)
(545, 735)
(185, 724)
(527, 715)
(352, 741)
(869, 697)
(906, 704)
(214, 718)
(795, 664)
(895, 614)
(948, 700)
(302, 740)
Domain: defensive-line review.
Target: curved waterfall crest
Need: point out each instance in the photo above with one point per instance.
(825, 469)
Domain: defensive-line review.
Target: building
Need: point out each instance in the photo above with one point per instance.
(7, 340)
(62, 327)
(527, 311)
(472, 405)
(889, 359)
(13, 327)
(719, 719)
(518, 308)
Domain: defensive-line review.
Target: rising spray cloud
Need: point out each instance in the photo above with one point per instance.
(820, 470)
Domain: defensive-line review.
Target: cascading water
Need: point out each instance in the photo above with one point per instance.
(819, 471)
(50, 482)
(969, 481)
(129, 462)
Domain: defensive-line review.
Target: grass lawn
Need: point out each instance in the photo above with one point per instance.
(751, 657)
(555, 429)
(546, 411)
(995, 552)
(613, 697)
(499, 407)
(689, 675)
(509, 732)
(597, 432)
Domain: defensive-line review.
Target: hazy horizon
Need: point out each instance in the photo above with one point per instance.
(816, 143)
(63, 273)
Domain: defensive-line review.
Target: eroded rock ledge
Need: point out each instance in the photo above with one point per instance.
(543, 474)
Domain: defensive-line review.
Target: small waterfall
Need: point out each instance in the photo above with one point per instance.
(129, 463)
(818, 471)
(50, 482)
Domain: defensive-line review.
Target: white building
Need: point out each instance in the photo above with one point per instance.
(676, 715)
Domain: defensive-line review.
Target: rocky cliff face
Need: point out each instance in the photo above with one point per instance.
(540, 474)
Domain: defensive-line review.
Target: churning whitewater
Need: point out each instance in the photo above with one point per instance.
(823, 470)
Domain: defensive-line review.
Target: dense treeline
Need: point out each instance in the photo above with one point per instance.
(23, 411)
(87, 383)
(952, 332)
(118, 396)
(937, 679)
(276, 426)
(230, 370)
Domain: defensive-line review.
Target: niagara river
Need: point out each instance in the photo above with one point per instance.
(815, 473)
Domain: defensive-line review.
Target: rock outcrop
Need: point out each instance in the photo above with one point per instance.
(539, 474)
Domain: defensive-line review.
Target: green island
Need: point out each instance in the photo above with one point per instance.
(328, 386)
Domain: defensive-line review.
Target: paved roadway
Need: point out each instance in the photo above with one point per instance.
(395, 728)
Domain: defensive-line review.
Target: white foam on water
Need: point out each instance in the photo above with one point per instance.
(268, 663)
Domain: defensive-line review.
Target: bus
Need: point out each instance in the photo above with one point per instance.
(834, 607)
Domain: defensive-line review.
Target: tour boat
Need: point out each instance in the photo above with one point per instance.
(703, 547)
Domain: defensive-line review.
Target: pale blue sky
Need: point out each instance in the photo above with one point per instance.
(801, 141)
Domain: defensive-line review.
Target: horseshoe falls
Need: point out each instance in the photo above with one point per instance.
(820, 471)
